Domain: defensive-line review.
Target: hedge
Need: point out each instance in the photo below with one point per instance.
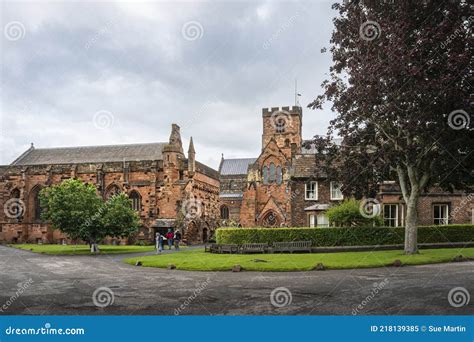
(353, 236)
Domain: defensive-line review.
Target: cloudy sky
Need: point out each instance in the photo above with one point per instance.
(98, 73)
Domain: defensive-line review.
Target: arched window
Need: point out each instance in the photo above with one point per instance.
(272, 172)
(224, 212)
(136, 201)
(35, 201)
(279, 175)
(111, 191)
(265, 175)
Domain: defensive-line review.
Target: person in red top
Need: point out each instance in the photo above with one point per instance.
(170, 236)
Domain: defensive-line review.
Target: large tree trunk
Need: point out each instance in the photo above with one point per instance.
(411, 229)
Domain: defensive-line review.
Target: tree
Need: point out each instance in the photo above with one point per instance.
(75, 209)
(399, 84)
(348, 214)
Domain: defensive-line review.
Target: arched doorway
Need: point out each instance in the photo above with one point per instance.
(205, 235)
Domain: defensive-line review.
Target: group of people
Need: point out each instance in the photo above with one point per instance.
(170, 237)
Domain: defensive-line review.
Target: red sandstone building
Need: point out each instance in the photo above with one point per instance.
(283, 186)
(280, 187)
(164, 184)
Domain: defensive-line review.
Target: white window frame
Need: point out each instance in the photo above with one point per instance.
(312, 220)
(397, 223)
(442, 220)
(320, 225)
(315, 198)
(332, 188)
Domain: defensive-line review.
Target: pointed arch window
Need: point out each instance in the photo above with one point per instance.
(136, 200)
(112, 190)
(35, 201)
(279, 175)
(272, 172)
(265, 175)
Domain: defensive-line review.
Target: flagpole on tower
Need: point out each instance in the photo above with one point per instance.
(297, 104)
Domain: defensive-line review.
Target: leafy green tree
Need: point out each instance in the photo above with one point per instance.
(401, 85)
(348, 214)
(76, 209)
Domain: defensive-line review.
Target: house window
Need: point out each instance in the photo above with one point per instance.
(136, 201)
(312, 220)
(390, 215)
(311, 191)
(224, 212)
(322, 220)
(336, 193)
(440, 214)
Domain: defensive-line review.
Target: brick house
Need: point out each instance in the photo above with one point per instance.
(159, 179)
(284, 187)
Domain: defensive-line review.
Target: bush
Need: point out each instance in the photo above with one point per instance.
(353, 236)
(349, 214)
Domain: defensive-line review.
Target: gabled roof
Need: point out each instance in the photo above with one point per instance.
(235, 166)
(91, 154)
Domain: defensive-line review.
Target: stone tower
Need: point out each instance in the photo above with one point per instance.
(284, 126)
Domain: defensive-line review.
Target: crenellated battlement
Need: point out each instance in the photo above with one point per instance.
(290, 109)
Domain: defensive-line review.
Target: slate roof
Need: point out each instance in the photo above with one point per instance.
(231, 195)
(235, 166)
(305, 166)
(91, 154)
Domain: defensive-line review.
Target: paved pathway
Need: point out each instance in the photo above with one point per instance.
(65, 285)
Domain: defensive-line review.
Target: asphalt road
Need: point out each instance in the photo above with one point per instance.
(35, 284)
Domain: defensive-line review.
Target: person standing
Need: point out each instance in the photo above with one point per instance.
(159, 243)
(177, 240)
(170, 236)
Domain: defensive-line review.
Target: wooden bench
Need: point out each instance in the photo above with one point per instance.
(227, 248)
(294, 246)
(253, 248)
(212, 248)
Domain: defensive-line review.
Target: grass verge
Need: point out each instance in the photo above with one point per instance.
(197, 260)
(81, 249)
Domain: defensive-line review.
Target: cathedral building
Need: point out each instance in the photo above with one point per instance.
(167, 188)
(284, 187)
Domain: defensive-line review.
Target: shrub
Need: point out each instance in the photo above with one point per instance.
(353, 236)
(348, 214)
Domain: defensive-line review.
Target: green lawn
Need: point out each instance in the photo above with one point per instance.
(82, 249)
(199, 261)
